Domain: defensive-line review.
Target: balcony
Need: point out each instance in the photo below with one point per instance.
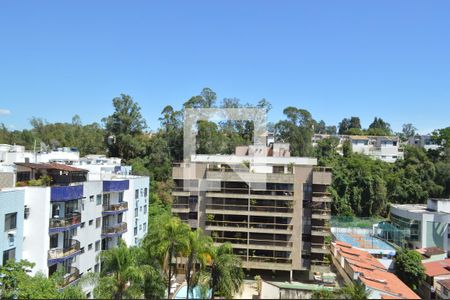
(248, 226)
(114, 209)
(319, 248)
(114, 230)
(320, 230)
(322, 176)
(72, 276)
(58, 255)
(71, 221)
(66, 193)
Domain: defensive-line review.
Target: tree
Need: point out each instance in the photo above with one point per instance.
(442, 137)
(121, 276)
(323, 294)
(17, 283)
(350, 126)
(379, 127)
(226, 275)
(168, 238)
(409, 268)
(123, 126)
(408, 130)
(198, 254)
(297, 130)
(355, 291)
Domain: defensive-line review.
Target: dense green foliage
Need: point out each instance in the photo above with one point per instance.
(17, 283)
(361, 186)
(409, 268)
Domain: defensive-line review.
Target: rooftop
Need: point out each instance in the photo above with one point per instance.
(445, 283)
(51, 166)
(436, 268)
(430, 251)
(373, 274)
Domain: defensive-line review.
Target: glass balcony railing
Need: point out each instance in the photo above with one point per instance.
(60, 254)
(71, 276)
(115, 208)
(114, 230)
(65, 223)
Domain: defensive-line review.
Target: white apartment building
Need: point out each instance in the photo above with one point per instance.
(64, 226)
(385, 148)
(423, 141)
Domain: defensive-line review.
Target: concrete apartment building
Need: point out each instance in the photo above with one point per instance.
(272, 207)
(64, 226)
(422, 225)
(423, 141)
(385, 148)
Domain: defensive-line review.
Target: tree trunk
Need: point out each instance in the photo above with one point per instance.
(188, 274)
(170, 271)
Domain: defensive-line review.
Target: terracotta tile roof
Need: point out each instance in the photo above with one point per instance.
(445, 283)
(430, 251)
(435, 268)
(51, 166)
(374, 274)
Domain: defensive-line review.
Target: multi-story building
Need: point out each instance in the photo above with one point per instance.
(422, 225)
(63, 225)
(423, 141)
(385, 148)
(11, 224)
(273, 208)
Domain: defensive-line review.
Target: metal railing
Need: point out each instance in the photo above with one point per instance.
(71, 219)
(253, 241)
(252, 208)
(57, 253)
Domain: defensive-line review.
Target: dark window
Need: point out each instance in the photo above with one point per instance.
(145, 192)
(98, 222)
(9, 254)
(97, 268)
(90, 246)
(145, 209)
(121, 197)
(10, 221)
(91, 198)
(97, 245)
(91, 222)
(136, 194)
(99, 199)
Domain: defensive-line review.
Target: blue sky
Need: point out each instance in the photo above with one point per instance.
(335, 58)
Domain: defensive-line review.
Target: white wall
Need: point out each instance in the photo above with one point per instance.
(141, 203)
(90, 234)
(36, 240)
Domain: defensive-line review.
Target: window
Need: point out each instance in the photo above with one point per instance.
(135, 230)
(99, 199)
(9, 254)
(53, 241)
(120, 218)
(140, 209)
(82, 204)
(140, 227)
(97, 268)
(10, 221)
(136, 194)
(90, 246)
(82, 250)
(144, 227)
(145, 192)
(145, 209)
(89, 270)
(98, 222)
(91, 222)
(91, 198)
(82, 224)
(135, 212)
(88, 295)
(97, 245)
(120, 197)
(142, 192)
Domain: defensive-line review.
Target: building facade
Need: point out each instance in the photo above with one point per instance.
(11, 224)
(423, 225)
(385, 148)
(65, 215)
(273, 208)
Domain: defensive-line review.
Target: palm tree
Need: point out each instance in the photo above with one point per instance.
(167, 240)
(198, 253)
(226, 272)
(121, 276)
(356, 291)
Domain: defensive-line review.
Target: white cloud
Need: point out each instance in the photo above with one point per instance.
(4, 111)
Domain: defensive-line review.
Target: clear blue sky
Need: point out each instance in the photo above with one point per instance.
(335, 58)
